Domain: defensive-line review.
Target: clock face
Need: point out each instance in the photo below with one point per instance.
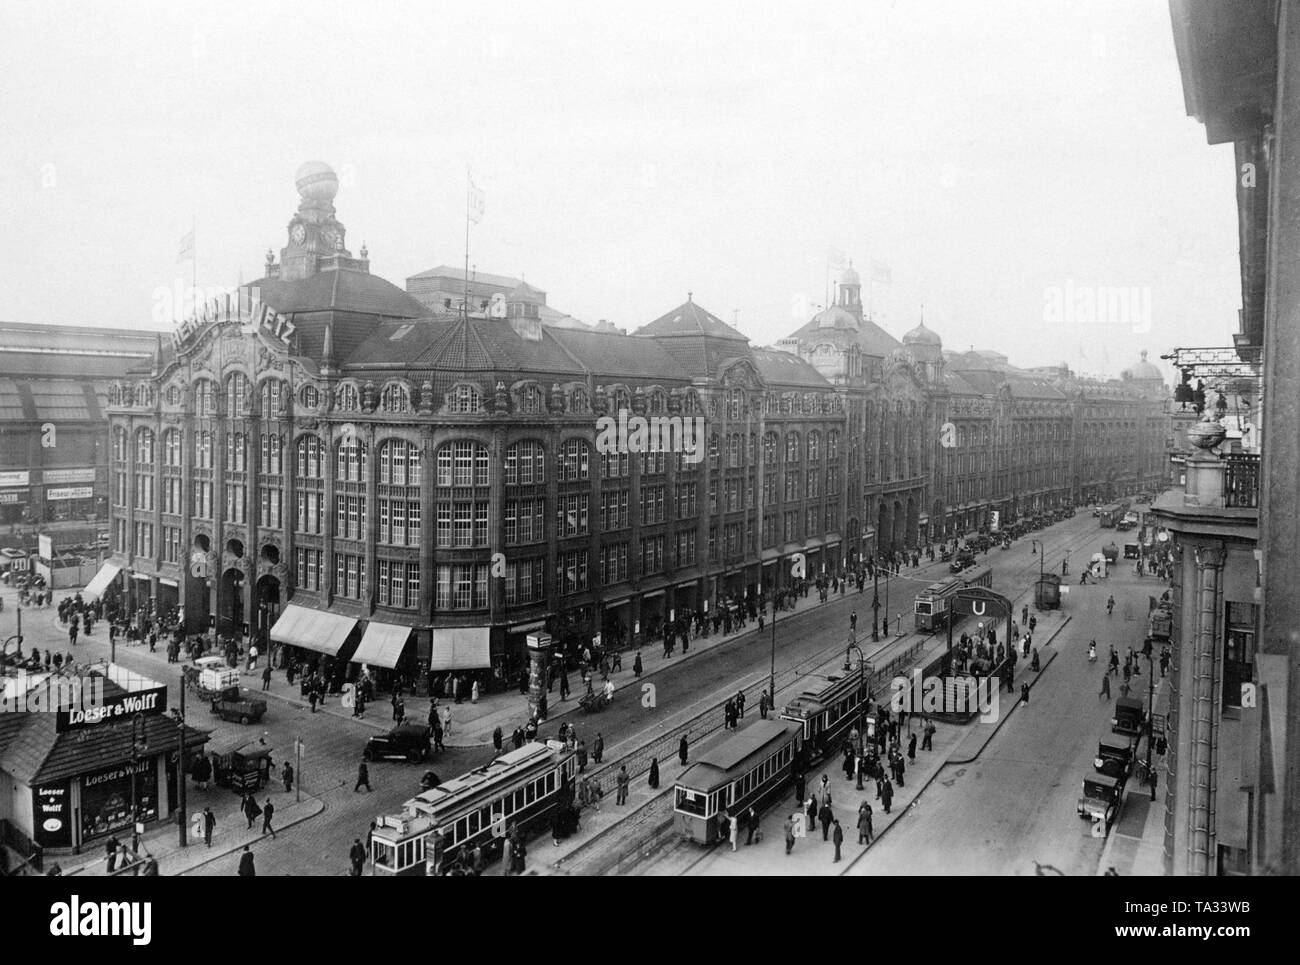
(298, 234)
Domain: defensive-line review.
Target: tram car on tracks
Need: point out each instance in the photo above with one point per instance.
(930, 609)
(440, 826)
(977, 576)
(827, 715)
(732, 772)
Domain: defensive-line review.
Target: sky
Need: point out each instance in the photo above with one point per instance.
(1024, 173)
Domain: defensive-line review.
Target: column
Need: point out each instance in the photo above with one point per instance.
(1203, 712)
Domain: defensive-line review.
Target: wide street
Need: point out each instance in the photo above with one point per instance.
(333, 741)
(1015, 803)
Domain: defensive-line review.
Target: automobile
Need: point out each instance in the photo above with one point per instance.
(408, 742)
(963, 559)
(1114, 760)
(1099, 799)
(1096, 511)
(1130, 717)
(241, 705)
(1143, 498)
(1125, 524)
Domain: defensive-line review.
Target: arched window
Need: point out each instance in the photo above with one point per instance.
(690, 403)
(144, 447)
(203, 450)
(622, 400)
(310, 396)
(530, 400)
(769, 449)
(833, 444)
(394, 398)
(310, 458)
(658, 404)
(347, 398)
(814, 446)
(735, 404)
(399, 463)
(172, 448)
(274, 395)
(525, 464)
(792, 447)
(463, 398)
(574, 461)
(236, 452)
(239, 395)
(121, 447)
(205, 399)
(462, 463)
(173, 395)
(350, 460)
(144, 394)
(580, 402)
(114, 394)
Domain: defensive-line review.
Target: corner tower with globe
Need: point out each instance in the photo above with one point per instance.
(316, 238)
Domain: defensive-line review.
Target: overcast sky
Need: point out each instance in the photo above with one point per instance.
(1003, 159)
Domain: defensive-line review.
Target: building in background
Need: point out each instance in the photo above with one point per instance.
(54, 383)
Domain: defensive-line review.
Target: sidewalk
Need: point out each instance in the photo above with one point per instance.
(1136, 843)
(230, 834)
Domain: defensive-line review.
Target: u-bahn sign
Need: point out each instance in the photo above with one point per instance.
(982, 604)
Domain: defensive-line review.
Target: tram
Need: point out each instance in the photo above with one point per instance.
(977, 576)
(930, 609)
(825, 716)
(520, 787)
(731, 773)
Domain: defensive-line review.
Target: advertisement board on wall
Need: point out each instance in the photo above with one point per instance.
(52, 815)
(65, 476)
(70, 492)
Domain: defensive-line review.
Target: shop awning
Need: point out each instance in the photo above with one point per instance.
(99, 583)
(301, 626)
(528, 627)
(460, 648)
(382, 645)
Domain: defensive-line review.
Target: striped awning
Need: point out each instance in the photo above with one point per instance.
(301, 626)
(382, 644)
(99, 583)
(461, 648)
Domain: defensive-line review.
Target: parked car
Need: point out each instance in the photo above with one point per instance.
(1114, 760)
(408, 742)
(1100, 798)
(1130, 717)
(241, 705)
(964, 558)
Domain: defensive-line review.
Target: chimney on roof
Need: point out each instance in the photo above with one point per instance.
(327, 352)
(157, 354)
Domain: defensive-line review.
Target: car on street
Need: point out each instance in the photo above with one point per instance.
(241, 705)
(408, 742)
(1113, 760)
(1130, 717)
(963, 559)
(1100, 798)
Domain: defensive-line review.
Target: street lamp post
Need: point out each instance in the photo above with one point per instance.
(771, 679)
(1042, 551)
(875, 605)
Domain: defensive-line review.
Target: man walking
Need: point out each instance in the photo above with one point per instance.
(865, 833)
(266, 677)
(268, 811)
(363, 778)
(886, 794)
(209, 824)
(622, 781)
(246, 869)
(762, 705)
(853, 622)
(927, 742)
(357, 855)
(598, 749)
(1105, 685)
(788, 828)
(837, 836)
(287, 775)
(827, 818)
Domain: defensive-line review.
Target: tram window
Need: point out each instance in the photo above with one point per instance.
(474, 823)
(530, 793)
(383, 854)
(691, 802)
(462, 830)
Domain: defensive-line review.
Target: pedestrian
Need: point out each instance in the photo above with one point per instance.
(1105, 686)
(798, 787)
(312, 697)
(654, 774)
(886, 794)
(762, 705)
(498, 739)
(582, 756)
(1024, 693)
(837, 837)
(287, 775)
(250, 809)
(865, 834)
(268, 810)
(853, 622)
(363, 778)
(788, 828)
(209, 825)
(357, 855)
(110, 852)
(1033, 623)
(911, 748)
(1034, 664)
(266, 677)
(827, 818)
(622, 781)
(900, 769)
(1024, 614)
(597, 748)
(681, 750)
(446, 721)
(473, 693)
(740, 703)
(734, 831)
(751, 826)
(636, 664)
(246, 869)
(927, 742)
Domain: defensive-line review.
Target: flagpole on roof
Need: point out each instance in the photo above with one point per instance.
(469, 190)
(194, 262)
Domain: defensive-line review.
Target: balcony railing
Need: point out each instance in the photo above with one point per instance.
(1241, 481)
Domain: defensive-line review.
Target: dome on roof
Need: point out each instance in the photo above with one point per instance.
(849, 276)
(1144, 371)
(316, 181)
(835, 317)
(922, 336)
